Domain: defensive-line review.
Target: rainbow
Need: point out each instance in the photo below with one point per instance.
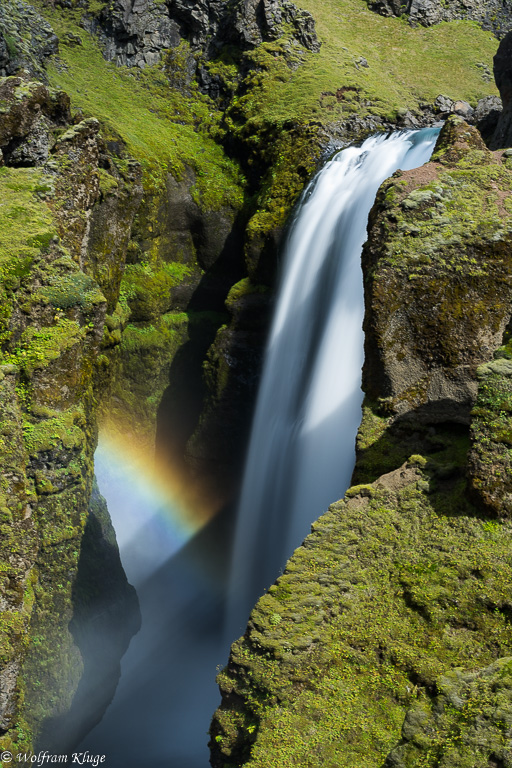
(153, 508)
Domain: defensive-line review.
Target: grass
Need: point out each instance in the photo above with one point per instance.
(162, 128)
(406, 66)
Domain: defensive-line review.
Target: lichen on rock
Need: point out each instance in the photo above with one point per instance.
(26, 39)
(437, 249)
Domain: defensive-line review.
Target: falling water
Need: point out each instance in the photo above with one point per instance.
(301, 452)
(300, 460)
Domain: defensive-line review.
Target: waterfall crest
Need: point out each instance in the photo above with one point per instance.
(301, 451)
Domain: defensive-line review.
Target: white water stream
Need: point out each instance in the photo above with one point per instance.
(301, 452)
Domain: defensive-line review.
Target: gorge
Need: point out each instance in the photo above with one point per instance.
(152, 156)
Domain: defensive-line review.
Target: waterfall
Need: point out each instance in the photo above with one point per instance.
(301, 451)
(300, 459)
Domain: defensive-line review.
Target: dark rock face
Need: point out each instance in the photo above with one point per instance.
(26, 39)
(486, 116)
(495, 15)
(232, 371)
(31, 111)
(135, 34)
(503, 75)
(106, 615)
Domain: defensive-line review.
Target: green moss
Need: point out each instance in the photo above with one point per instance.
(145, 355)
(385, 596)
(465, 724)
(148, 288)
(243, 288)
(40, 347)
(27, 224)
(56, 431)
(436, 219)
(490, 476)
(108, 184)
(70, 290)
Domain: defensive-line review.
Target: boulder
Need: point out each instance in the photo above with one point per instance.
(438, 247)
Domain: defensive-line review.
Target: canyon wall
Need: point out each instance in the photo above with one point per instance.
(151, 155)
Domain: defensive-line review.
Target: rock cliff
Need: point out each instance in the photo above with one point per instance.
(136, 34)
(52, 319)
(494, 15)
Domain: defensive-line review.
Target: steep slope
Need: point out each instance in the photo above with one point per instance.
(54, 200)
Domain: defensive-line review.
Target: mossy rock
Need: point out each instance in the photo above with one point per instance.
(390, 592)
(437, 267)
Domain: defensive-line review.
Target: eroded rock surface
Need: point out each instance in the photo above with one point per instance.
(26, 39)
(495, 15)
(135, 34)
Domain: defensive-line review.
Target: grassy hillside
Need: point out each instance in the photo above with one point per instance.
(405, 66)
(161, 126)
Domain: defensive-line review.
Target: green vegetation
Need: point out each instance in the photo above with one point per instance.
(406, 66)
(146, 353)
(491, 433)
(160, 126)
(27, 228)
(398, 584)
(148, 288)
(27, 224)
(387, 594)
